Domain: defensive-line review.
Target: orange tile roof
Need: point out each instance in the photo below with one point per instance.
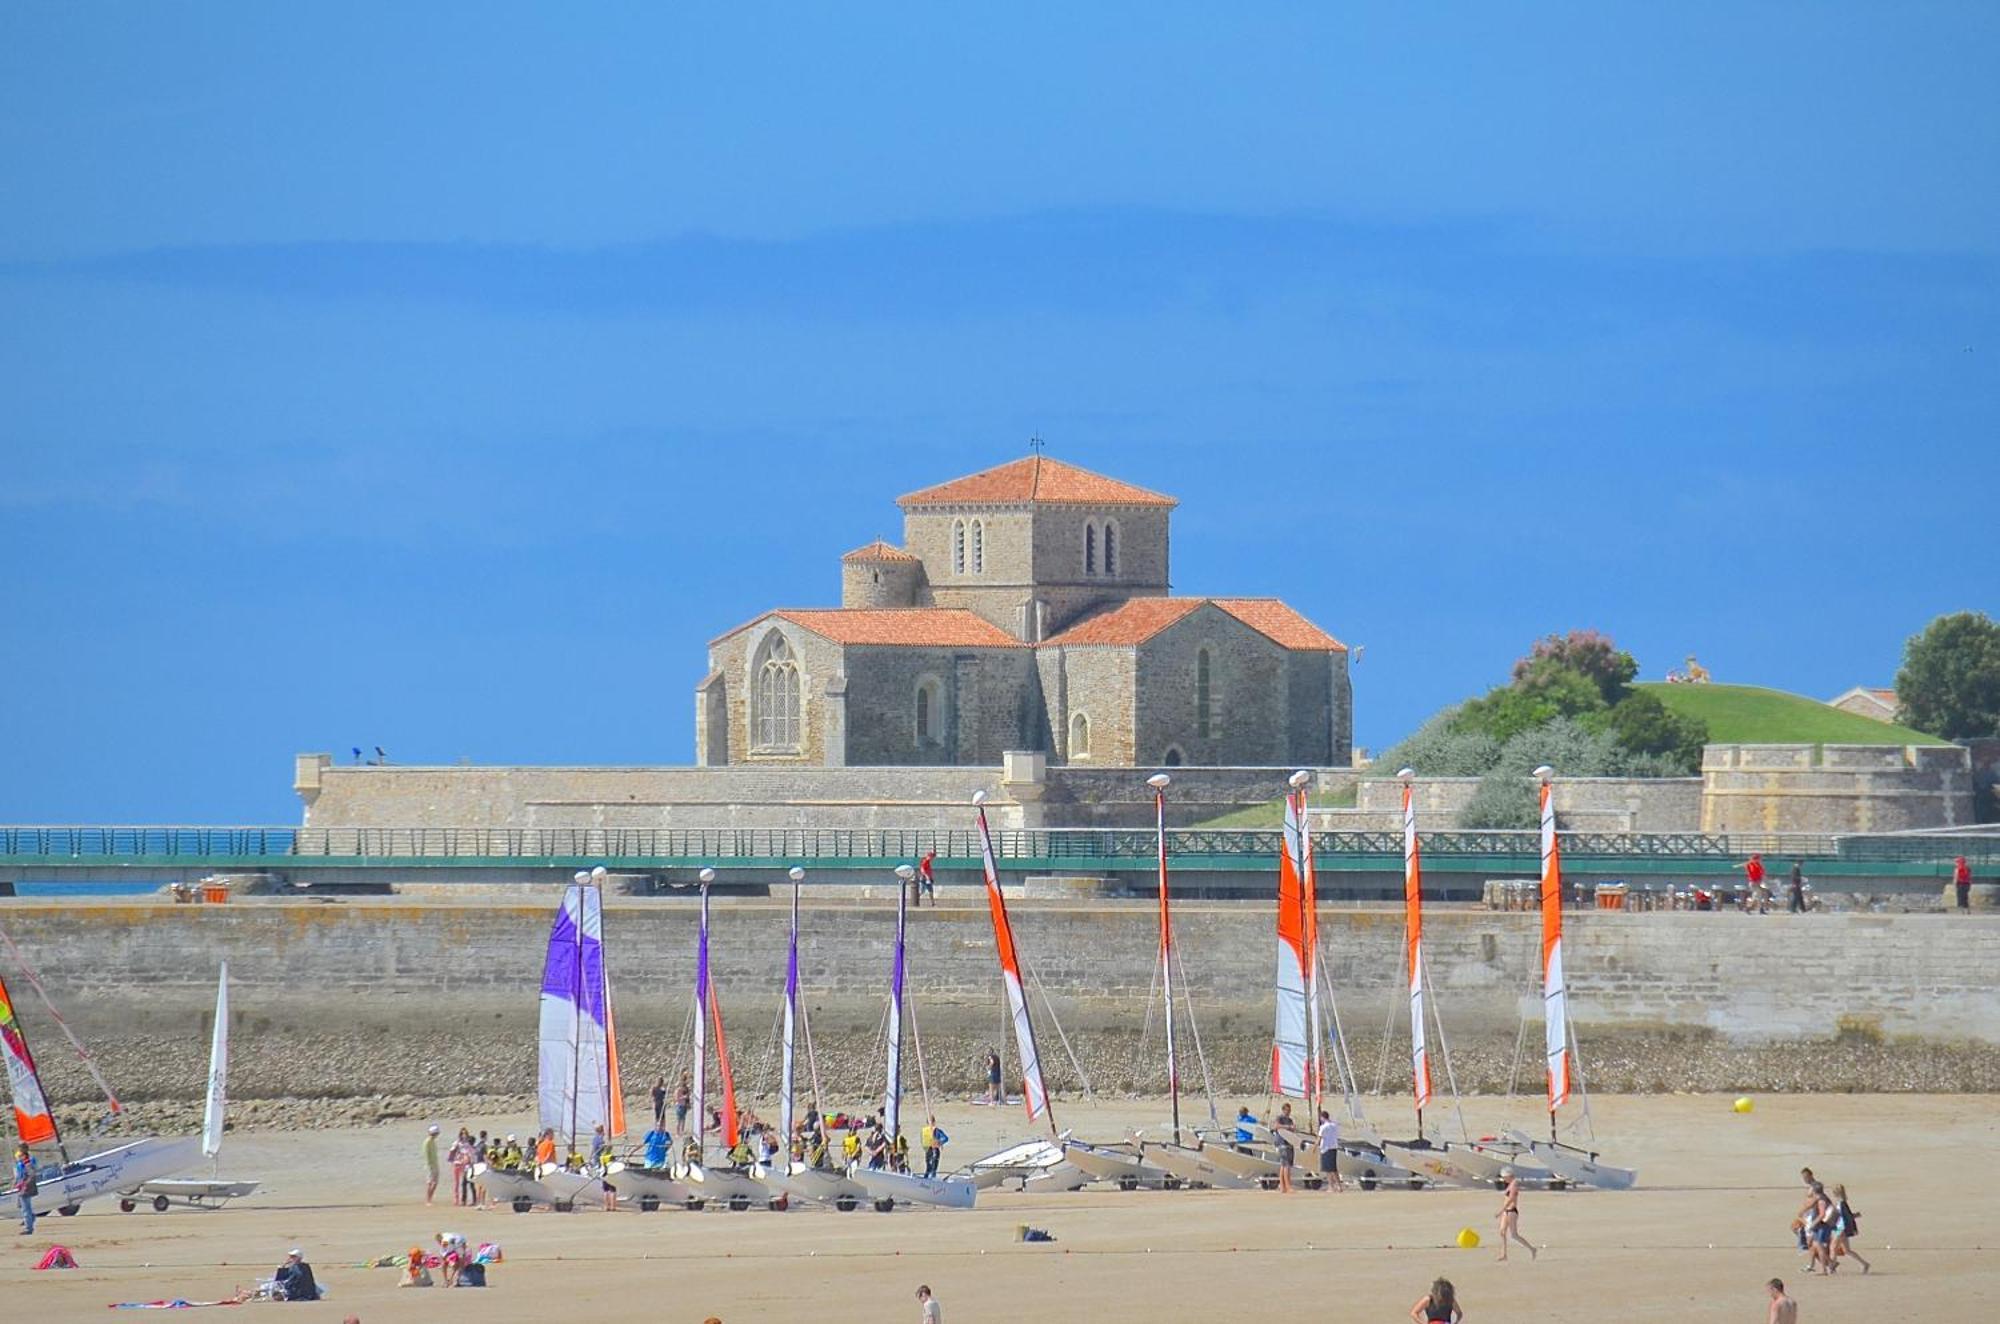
(1130, 622)
(913, 627)
(1139, 619)
(1886, 696)
(1035, 479)
(880, 551)
(1279, 623)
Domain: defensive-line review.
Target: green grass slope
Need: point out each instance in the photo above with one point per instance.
(1748, 714)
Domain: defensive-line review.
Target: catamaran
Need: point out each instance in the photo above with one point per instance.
(211, 1191)
(67, 1183)
(711, 1183)
(578, 1089)
(886, 1187)
(801, 1177)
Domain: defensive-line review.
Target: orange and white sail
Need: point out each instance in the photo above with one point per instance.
(1292, 1038)
(731, 1132)
(1413, 909)
(33, 1122)
(1555, 994)
(1033, 1090)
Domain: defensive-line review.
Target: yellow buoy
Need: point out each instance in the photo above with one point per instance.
(1743, 1105)
(1467, 1238)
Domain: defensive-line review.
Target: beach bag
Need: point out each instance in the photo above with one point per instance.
(939, 1137)
(472, 1275)
(28, 1186)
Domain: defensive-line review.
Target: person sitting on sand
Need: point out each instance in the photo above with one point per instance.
(415, 1273)
(1439, 1306)
(295, 1278)
(1510, 1216)
(1783, 1310)
(451, 1256)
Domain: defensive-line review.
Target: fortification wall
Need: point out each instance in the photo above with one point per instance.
(1835, 788)
(391, 997)
(1583, 804)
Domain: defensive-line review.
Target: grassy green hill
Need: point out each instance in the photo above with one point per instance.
(1748, 714)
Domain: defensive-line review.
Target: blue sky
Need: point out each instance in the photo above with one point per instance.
(443, 377)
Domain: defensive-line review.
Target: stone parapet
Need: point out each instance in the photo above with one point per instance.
(1835, 788)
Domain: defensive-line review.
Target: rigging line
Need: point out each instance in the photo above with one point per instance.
(89, 1062)
(917, 1047)
(1194, 1028)
(1583, 1090)
(1388, 1034)
(1343, 1061)
(1521, 1036)
(1444, 1048)
(812, 1061)
(1049, 1006)
(775, 1042)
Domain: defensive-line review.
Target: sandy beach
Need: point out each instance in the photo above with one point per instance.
(1694, 1243)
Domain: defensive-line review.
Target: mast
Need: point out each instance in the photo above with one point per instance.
(1033, 1090)
(1160, 781)
(34, 1122)
(614, 1089)
(892, 1103)
(797, 876)
(1413, 938)
(578, 894)
(700, 1099)
(1309, 931)
(1555, 993)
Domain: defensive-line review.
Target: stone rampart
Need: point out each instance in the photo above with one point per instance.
(1835, 788)
(1583, 804)
(336, 1000)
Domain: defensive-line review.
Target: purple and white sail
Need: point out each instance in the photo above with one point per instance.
(578, 1089)
(892, 1104)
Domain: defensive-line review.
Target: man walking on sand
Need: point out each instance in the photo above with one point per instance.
(431, 1163)
(927, 878)
(1798, 903)
(928, 1305)
(1961, 878)
(1760, 895)
(1783, 1310)
(1329, 1151)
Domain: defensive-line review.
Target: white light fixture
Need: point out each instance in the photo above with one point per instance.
(581, 878)
(796, 874)
(905, 872)
(706, 875)
(1406, 775)
(1545, 772)
(1300, 778)
(979, 797)
(1159, 781)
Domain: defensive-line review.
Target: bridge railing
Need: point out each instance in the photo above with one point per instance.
(1240, 848)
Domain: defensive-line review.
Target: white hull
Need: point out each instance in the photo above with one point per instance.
(1025, 1162)
(889, 1189)
(1194, 1167)
(113, 1171)
(519, 1189)
(194, 1192)
(722, 1188)
(820, 1185)
(1251, 1168)
(1449, 1165)
(650, 1184)
(1578, 1166)
(1117, 1164)
(566, 1188)
(1361, 1166)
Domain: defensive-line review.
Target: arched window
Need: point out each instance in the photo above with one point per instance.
(774, 696)
(1090, 549)
(1110, 548)
(979, 547)
(1173, 758)
(923, 714)
(1204, 699)
(958, 547)
(1079, 736)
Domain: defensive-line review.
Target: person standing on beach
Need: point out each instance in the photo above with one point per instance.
(1961, 878)
(25, 1189)
(1784, 1310)
(1798, 902)
(1439, 1305)
(430, 1163)
(460, 1157)
(1329, 1151)
(1760, 895)
(1510, 1216)
(928, 1306)
(1282, 1132)
(683, 1093)
(993, 1094)
(660, 1102)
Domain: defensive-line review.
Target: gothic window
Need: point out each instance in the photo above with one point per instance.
(1110, 549)
(1090, 549)
(958, 547)
(1079, 736)
(1204, 710)
(774, 697)
(1173, 758)
(979, 547)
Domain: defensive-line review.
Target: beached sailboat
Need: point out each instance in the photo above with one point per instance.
(885, 1187)
(1570, 1162)
(577, 1088)
(67, 1183)
(709, 1182)
(211, 1191)
(800, 1177)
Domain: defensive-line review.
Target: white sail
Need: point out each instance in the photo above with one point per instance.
(892, 1106)
(699, 1101)
(218, 1071)
(785, 1083)
(577, 1053)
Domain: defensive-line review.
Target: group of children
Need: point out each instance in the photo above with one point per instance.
(1826, 1226)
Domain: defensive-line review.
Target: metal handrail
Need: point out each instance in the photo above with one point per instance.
(610, 845)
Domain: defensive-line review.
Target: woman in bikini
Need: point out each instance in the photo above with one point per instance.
(1510, 1215)
(1440, 1307)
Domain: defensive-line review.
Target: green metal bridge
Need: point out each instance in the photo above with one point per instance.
(445, 854)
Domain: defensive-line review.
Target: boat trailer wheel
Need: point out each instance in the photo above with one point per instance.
(884, 1205)
(1128, 1183)
(648, 1203)
(69, 1210)
(563, 1206)
(779, 1203)
(522, 1204)
(846, 1204)
(695, 1203)
(127, 1206)
(738, 1203)
(160, 1203)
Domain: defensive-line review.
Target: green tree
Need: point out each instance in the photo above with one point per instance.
(1644, 725)
(1439, 748)
(1589, 653)
(1545, 691)
(1949, 684)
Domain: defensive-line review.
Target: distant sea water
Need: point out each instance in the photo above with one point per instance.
(89, 888)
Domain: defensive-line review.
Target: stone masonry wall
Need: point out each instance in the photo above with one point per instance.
(1835, 788)
(325, 996)
(1583, 804)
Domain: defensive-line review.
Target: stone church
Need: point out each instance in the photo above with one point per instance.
(1029, 608)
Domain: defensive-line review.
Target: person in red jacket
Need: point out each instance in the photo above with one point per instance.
(1961, 877)
(1760, 895)
(926, 879)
